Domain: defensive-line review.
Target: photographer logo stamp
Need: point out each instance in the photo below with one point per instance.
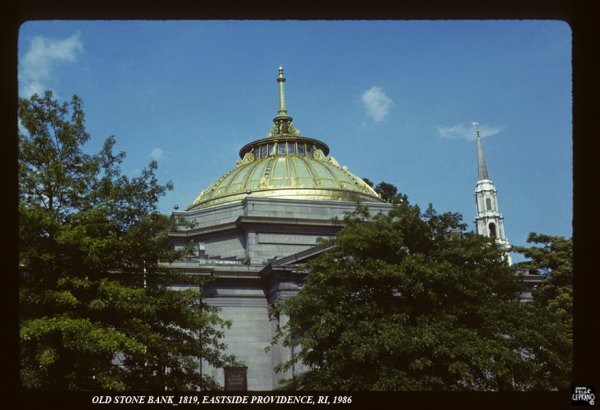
(583, 396)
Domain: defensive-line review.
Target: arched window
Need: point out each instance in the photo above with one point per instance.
(488, 204)
(492, 227)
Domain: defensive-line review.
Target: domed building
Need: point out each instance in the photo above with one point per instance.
(256, 225)
(286, 165)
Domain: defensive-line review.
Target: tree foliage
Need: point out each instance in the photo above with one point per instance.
(97, 308)
(387, 191)
(552, 257)
(410, 301)
(553, 260)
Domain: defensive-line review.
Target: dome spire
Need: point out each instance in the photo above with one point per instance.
(482, 172)
(283, 122)
(281, 80)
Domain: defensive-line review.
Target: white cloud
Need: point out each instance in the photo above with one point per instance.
(157, 153)
(467, 132)
(377, 103)
(31, 88)
(37, 64)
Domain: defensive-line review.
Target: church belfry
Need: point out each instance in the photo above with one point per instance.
(488, 220)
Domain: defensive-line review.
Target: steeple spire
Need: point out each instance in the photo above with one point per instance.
(482, 172)
(283, 122)
(488, 220)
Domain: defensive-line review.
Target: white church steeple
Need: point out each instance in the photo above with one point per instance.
(488, 221)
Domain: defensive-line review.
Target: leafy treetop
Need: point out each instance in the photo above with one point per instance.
(410, 301)
(98, 311)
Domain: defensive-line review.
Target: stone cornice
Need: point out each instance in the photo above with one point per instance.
(220, 228)
(263, 223)
(209, 269)
(287, 225)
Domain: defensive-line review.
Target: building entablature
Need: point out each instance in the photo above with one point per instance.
(485, 185)
(489, 215)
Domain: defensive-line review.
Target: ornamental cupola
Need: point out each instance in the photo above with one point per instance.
(286, 165)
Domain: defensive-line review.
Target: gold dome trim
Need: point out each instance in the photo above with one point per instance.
(290, 177)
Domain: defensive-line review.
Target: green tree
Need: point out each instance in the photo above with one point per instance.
(554, 261)
(552, 257)
(409, 301)
(387, 191)
(97, 308)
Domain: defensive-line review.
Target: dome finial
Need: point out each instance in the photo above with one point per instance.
(283, 122)
(281, 80)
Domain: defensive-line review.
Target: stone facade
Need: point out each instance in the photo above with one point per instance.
(254, 249)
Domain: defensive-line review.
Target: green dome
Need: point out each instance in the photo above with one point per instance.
(286, 165)
(312, 176)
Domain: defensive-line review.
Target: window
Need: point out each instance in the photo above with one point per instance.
(263, 151)
(281, 148)
(300, 149)
(291, 148)
(272, 149)
(257, 153)
(492, 227)
(201, 249)
(488, 204)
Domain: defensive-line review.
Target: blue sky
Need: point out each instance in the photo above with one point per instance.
(394, 100)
